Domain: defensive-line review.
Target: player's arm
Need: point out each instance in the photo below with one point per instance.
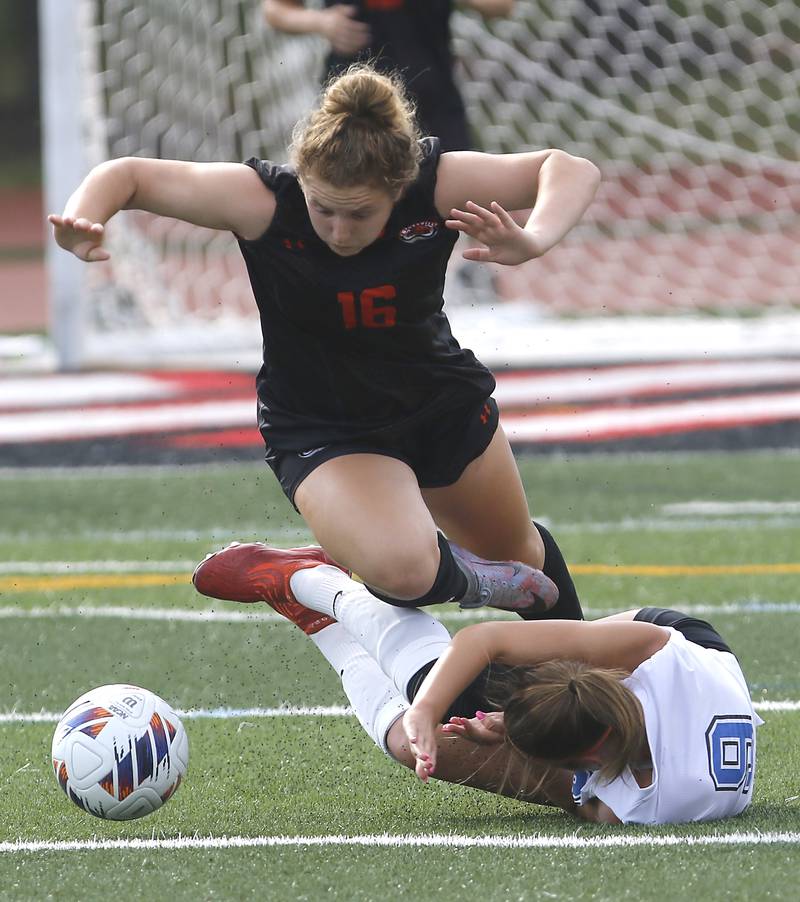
(226, 196)
(596, 811)
(337, 24)
(620, 644)
(474, 191)
(489, 8)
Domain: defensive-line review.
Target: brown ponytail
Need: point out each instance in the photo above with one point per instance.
(363, 132)
(560, 709)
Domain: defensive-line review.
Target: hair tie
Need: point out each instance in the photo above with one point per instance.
(573, 687)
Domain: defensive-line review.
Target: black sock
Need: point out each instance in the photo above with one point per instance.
(568, 607)
(450, 583)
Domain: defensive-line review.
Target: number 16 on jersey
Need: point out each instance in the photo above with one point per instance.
(370, 309)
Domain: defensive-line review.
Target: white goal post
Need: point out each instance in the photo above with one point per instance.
(690, 109)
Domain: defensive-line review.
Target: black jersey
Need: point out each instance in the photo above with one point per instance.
(355, 346)
(412, 37)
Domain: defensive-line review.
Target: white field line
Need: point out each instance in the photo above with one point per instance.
(188, 565)
(209, 615)
(203, 713)
(23, 717)
(676, 524)
(728, 508)
(298, 535)
(216, 535)
(446, 840)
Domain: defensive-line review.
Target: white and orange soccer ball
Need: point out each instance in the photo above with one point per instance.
(120, 752)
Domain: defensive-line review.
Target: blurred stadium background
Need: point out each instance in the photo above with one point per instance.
(689, 253)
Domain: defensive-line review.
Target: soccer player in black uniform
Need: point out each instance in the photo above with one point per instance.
(409, 37)
(379, 426)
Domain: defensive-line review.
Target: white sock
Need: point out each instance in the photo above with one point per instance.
(376, 702)
(401, 640)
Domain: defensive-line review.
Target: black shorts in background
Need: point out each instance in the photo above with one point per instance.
(438, 450)
(698, 631)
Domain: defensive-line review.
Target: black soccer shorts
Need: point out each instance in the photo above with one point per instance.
(437, 450)
(698, 631)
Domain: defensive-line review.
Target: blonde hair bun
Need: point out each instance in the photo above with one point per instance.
(364, 131)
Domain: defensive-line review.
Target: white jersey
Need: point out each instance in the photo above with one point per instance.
(700, 726)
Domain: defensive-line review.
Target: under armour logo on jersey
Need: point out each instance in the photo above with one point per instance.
(419, 230)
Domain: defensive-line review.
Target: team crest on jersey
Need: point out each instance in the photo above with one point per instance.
(419, 230)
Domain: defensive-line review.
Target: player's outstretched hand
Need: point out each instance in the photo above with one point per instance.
(505, 241)
(347, 35)
(421, 735)
(80, 237)
(483, 729)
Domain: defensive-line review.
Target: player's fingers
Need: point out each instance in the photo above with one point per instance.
(477, 254)
(502, 214)
(486, 215)
(456, 729)
(97, 254)
(464, 216)
(462, 227)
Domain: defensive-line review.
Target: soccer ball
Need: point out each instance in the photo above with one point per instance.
(120, 752)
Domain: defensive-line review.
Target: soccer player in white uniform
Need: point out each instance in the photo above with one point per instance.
(701, 738)
(643, 717)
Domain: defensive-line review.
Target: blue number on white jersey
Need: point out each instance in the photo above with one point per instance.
(729, 740)
(579, 779)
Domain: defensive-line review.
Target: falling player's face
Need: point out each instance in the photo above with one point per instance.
(347, 219)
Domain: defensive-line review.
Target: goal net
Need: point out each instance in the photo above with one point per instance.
(689, 109)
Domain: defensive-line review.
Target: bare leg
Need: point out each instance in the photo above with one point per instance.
(367, 512)
(486, 510)
(497, 769)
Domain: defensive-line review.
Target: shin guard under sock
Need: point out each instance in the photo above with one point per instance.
(400, 640)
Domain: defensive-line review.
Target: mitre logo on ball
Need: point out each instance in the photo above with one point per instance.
(130, 705)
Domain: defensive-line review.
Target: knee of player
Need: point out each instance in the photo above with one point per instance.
(406, 574)
(397, 744)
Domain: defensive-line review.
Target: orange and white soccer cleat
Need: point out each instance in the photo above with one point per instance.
(253, 571)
